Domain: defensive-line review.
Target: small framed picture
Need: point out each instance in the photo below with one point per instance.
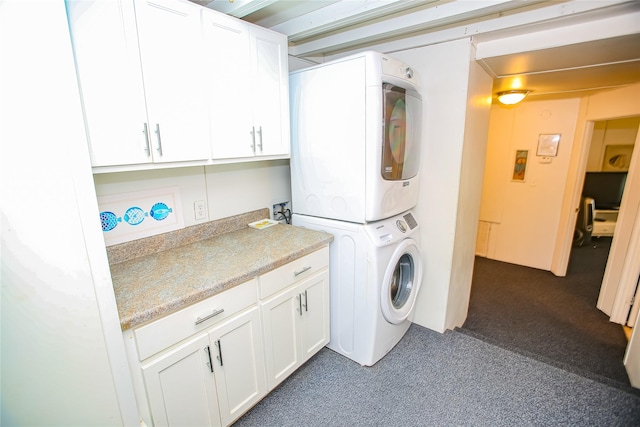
(548, 145)
(617, 158)
(520, 165)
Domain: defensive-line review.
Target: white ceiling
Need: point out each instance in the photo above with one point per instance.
(548, 47)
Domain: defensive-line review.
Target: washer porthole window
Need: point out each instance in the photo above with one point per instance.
(402, 281)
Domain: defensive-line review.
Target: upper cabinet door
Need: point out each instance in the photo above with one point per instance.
(229, 81)
(105, 44)
(171, 52)
(271, 91)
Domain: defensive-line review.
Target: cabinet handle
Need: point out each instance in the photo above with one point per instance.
(215, 313)
(208, 350)
(300, 304)
(219, 352)
(299, 272)
(159, 138)
(306, 302)
(260, 134)
(253, 139)
(147, 148)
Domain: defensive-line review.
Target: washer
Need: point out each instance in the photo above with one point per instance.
(375, 275)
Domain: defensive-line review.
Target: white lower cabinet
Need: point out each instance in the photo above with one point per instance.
(238, 364)
(209, 380)
(296, 319)
(210, 362)
(180, 386)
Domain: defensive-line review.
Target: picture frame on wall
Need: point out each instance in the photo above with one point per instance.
(520, 166)
(548, 145)
(617, 158)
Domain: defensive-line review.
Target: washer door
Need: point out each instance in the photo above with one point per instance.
(401, 282)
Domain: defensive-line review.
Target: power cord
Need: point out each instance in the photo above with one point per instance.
(283, 214)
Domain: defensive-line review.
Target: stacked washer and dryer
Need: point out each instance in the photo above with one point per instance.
(356, 128)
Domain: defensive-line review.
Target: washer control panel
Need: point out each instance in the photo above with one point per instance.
(392, 229)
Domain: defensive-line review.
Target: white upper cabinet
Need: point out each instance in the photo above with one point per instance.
(171, 53)
(229, 79)
(271, 92)
(166, 81)
(139, 66)
(105, 44)
(248, 77)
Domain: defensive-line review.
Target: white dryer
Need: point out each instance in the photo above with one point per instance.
(356, 126)
(375, 275)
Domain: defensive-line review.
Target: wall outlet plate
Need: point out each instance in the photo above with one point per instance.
(200, 209)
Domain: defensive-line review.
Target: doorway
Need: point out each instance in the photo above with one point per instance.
(610, 154)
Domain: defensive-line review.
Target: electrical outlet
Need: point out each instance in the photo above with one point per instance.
(200, 209)
(282, 211)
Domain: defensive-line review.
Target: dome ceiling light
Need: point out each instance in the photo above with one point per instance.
(512, 97)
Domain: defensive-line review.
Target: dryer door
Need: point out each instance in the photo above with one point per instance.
(401, 282)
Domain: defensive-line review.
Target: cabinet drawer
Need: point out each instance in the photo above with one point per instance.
(162, 333)
(603, 227)
(286, 275)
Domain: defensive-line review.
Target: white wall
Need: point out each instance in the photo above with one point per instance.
(442, 206)
(63, 360)
(475, 147)
(523, 217)
(610, 132)
(227, 189)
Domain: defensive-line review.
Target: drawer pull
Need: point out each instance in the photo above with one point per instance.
(299, 272)
(215, 313)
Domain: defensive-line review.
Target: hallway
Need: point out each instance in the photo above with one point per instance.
(552, 319)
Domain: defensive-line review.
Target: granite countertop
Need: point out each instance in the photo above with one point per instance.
(151, 286)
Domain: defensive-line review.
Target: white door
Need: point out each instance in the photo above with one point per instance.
(181, 387)
(401, 282)
(238, 363)
(314, 330)
(105, 44)
(621, 273)
(171, 52)
(228, 76)
(281, 326)
(271, 93)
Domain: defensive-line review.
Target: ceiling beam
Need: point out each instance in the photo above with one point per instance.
(440, 15)
(237, 8)
(606, 28)
(342, 14)
(503, 25)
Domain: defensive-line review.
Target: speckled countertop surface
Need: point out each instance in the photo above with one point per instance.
(148, 287)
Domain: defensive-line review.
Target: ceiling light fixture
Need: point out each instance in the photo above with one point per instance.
(512, 97)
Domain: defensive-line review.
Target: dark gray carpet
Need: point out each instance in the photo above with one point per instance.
(553, 319)
(433, 379)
